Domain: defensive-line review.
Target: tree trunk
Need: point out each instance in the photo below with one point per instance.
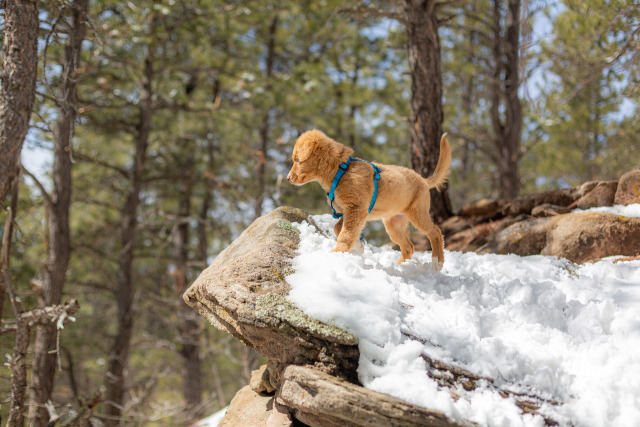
(5, 256)
(506, 110)
(59, 246)
(24, 323)
(18, 81)
(426, 96)
(19, 375)
(264, 126)
(124, 291)
(189, 328)
(353, 107)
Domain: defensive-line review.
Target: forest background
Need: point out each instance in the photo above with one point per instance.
(161, 128)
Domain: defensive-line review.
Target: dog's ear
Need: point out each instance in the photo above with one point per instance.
(310, 142)
(306, 149)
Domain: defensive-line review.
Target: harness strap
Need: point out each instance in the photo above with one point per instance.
(336, 179)
(341, 171)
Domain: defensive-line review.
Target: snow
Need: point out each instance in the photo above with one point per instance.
(632, 210)
(536, 325)
(213, 420)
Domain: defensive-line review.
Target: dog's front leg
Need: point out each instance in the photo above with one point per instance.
(352, 225)
(338, 227)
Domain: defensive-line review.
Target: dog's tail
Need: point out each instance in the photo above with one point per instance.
(441, 174)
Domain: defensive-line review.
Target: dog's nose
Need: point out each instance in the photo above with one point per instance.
(289, 176)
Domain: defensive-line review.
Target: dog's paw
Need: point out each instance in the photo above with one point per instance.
(357, 248)
(436, 265)
(341, 247)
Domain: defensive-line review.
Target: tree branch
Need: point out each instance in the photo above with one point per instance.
(87, 158)
(53, 313)
(45, 195)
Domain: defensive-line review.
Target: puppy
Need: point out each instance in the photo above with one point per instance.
(403, 195)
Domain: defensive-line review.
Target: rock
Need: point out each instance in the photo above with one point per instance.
(260, 381)
(312, 365)
(524, 205)
(584, 188)
(602, 194)
(243, 293)
(475, 237)
(579, 237)
(456, 224)
(479, 224)
(279, 417)
(589, 236)
(547, 209)
(248, 409)
(321, 400)
(526, 237)
(482, 207)
(628, 191)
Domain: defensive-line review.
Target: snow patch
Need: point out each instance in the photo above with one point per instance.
(535, 325)
(630, 211)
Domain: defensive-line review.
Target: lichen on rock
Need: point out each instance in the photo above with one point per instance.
(270, 307)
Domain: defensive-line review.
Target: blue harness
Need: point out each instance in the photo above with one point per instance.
(341, 171)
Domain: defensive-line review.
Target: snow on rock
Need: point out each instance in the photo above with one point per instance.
(213, 420)
(536, 325)
(631, 211)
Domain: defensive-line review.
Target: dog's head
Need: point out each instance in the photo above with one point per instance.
(316, 156)
(308, 154)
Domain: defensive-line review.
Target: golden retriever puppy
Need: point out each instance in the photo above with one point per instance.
(403, 195)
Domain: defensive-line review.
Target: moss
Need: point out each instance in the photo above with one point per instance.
(287, 226)
(291, 214)
(275, 306)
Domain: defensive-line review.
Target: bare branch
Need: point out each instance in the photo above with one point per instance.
(444, 21)
(8, 328)
(88, 158)
(53, 313)
(47, 198)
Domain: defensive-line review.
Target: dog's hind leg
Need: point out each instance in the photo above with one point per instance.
(396, 227)
(418, 214)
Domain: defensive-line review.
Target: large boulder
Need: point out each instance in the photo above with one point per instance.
(243, 293)
(543, 223)
(628, 190)
(602, 194)
(579, 237)
(320, 399)
(248, 409)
